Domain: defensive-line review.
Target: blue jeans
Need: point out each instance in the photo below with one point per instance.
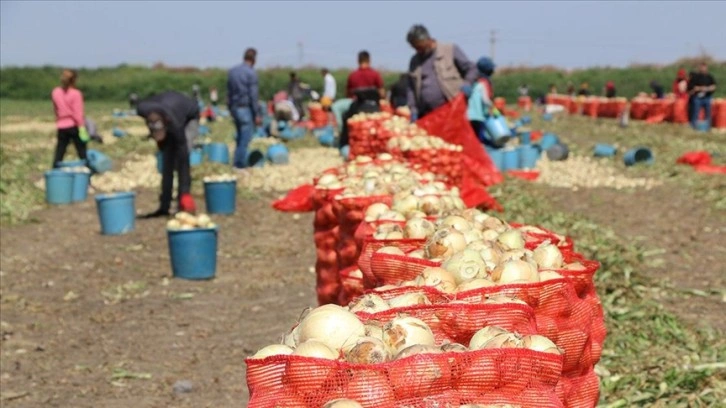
(698, 104)
(244, 122)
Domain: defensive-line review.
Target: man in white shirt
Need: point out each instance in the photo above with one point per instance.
(329, 87)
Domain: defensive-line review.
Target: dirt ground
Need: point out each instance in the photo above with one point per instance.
(80, 311)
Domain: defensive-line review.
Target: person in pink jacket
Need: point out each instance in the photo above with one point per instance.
(69, 117)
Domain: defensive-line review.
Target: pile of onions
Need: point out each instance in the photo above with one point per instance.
(185, 221)
(496, 337)
(420, 142)
(76, 169)
(220, 178)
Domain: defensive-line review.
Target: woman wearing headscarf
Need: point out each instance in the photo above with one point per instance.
(481, 97)
(610, 89)
(680, 85)
(69, 117)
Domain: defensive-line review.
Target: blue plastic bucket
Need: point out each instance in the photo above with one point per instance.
(292, 133)
(278, 154)
(218, 152)
(497, 129)
(205, 149)
(326, 139)
(558, 152)
(71, 163)
(525, 120)
(98, 162)
(604, 150)
(345, 152)
(510, 159)
(547, 117)
(255, 158)
(195, 157)
(80, 186)
(220, 196)
(638, 155)
(548, 140)
(193, 253)
(203, 130)
(58, 187)
(117, 212)
(528, 156)
(497, 156)
(703, 126)
(525, 137)
(117, 132)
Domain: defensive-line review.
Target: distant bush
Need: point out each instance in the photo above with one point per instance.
(115, 83)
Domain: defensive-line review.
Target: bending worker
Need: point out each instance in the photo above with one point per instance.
(173, 122)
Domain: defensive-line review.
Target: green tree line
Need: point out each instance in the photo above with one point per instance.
(116, 83)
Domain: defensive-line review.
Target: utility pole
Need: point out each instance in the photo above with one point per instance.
(492, 43)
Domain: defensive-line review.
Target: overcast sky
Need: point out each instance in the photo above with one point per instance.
(566, 34)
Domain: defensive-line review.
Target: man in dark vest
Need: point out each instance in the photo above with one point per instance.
(438, 72)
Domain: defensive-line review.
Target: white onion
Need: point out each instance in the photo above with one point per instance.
(548, 256)
(374, 329)
(391, 250)
(409, 299)
(512, 271)
(317, 349)
(473, 235)
(327, 179)
(375, 210)
(430, 204)
(490, 235)
(335, 326)
(540, 343)
(482, 336)
(511, 239)
(549, 275)
(454, 347)
(466, 265)
(406, 331)
(368, 350)
(415, 214)
(418, 349)
(575, 266)
(342, 403)
(458, 223)
(391, 216)
(504, 340)
(418, 254)
(438, 278)
(273, 350)
(370, 303)
(419, 228)
(384, 231)
(475, 284)
(406, 204)
(445, 243)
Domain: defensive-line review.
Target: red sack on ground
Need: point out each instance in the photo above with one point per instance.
(299, 199)
(528, 175)
(695, 158)
(710, 169)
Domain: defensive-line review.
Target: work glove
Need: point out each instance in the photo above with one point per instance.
(158, 213)
(466, 89)
(186, 203)
(496, 113)
(83, 134)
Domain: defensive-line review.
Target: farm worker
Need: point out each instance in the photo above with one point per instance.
(213, 96)
(438, 72)
(242, 91)
(339, 108)
(480, 101)
(329, 85)
(680, 85)
(523, 90)
(657, 89)
(570, 88)
(295, 90)
(703, 87)
(133, 100)
(69, 117)
(584, 89)
(93, 131)
(173, 122)
(365, 88)
(610, 89)
(399, 92)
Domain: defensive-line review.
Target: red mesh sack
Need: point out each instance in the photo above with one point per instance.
(370, 246)
(388, 269)
(299, 199)
(581, 391)
(695, 158)
(325, 217)
(350, 213)
(680, 111)
(639, 108)
(574, 107)
(524, 103)
(590, 107)
(719, 114)
(351, 285)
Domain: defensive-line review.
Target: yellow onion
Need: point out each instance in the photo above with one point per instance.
(438, 278)
(409, 299)
(454, 347)
(445, 243)
(549, 275)
(430, 204)
(475, 284)
(391, 250)
(375, 210)
(472, 236)
(342, 403)
(466, 265)
(490, 235)
(482, 336)
(415, 214)
(492, 257)
(374, 328)
(418, 254)
(391, 216)
(405, 331)
(317, 349)
(369, 303)
(548, 256)
(456, 222)
(512, 271)
(575, 266)
(540, 343)
(419, 228)
(327, 179)
(333, 325)
(504, 340)
(368, 350)
(511, 239)
(273, 350)
(406, 204)
(388, 231)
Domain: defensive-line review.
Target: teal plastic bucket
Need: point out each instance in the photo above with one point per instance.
(195, 157)
(205, 149)
(510, 159)
(547, 117)
(117, 132)
(80, 186)
(327, 139)
(497, 156)
(58, 187)
(220, 197)
(278, 154)
(193, 253)
(548, 140)
(528, 156)
(558, 152)
(159, 161)
(71, 163)
(255, 158)
(638, 155)
(498, 130)
(218, 153)
(604, 150)
(117, 212)
(99, 162)
(525, 137)
(525, 120)
(703, 126)
(345, 152)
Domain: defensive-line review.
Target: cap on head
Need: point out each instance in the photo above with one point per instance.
(417, 33)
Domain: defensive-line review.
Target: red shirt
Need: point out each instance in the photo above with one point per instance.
(363, 78)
